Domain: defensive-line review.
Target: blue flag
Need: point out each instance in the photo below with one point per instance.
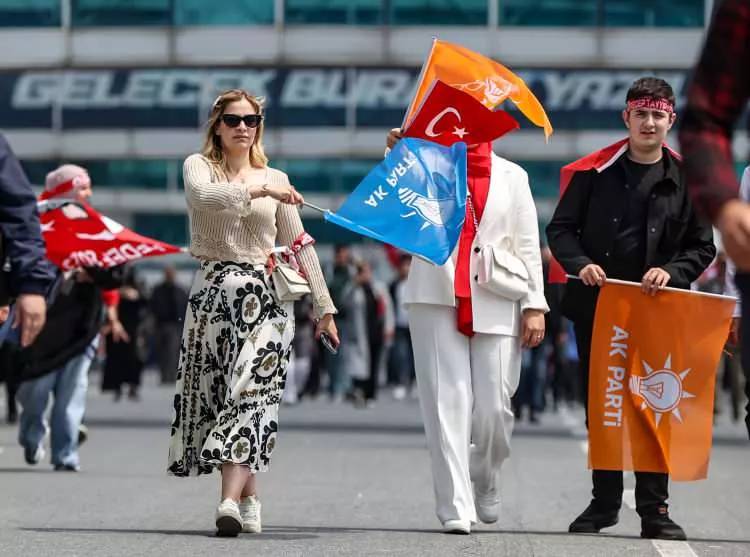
(415, 199)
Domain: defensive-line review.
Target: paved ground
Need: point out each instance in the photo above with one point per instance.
(344, 482)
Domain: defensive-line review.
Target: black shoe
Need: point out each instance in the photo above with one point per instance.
(593, 519)
(67, 468)
(83, 434)
(661, 527)
(33, 455)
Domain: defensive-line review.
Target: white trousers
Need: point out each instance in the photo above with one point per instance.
(465, 385)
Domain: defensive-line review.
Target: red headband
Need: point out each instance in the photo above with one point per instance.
(651, 103)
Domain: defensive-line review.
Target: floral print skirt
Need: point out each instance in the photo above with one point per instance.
(235, 348)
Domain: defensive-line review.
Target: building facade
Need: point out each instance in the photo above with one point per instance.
(122, 86)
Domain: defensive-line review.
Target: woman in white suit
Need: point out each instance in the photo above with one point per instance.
(467, 340)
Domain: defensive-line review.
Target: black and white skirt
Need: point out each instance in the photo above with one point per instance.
(235, 348)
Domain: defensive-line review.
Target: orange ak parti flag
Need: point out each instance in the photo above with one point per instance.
(483, 78)
(651, 379)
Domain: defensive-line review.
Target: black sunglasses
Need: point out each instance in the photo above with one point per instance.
(233, 120)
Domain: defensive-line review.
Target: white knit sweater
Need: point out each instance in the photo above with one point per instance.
(227, 225)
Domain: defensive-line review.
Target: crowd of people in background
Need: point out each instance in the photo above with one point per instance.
(376, 353)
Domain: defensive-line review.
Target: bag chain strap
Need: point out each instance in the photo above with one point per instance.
(473, 213)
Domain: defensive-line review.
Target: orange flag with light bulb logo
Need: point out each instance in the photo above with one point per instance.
(488, 81)
(651, 379)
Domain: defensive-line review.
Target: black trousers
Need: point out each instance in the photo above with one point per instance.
(651, 488)
(742, 280)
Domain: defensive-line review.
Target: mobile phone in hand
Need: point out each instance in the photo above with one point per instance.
(326, 341)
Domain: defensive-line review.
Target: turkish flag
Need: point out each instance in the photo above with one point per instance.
(652, 377)
(78, 236)
(448, 115)
(600, 161)
(484, 79)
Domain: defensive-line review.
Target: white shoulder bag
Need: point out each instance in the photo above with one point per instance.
(499, 270)
(290, 284)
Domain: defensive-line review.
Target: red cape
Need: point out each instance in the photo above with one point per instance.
(599, 161)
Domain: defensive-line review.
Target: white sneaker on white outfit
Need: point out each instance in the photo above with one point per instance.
(250, 513)
(487, 506)
(457, 526)
(228, 518)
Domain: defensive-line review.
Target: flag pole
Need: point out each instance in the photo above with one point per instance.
(315, 207)
(419, 81)
(667, 288)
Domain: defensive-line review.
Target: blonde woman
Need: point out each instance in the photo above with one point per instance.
(237, 337)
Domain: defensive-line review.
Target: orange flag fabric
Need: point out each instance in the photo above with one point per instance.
(651, 379)
(483, 78)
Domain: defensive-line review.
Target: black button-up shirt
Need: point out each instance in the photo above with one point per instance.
(628, 254)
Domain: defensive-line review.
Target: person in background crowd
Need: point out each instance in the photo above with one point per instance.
(340, 282)
(553, 319)
(303, 346)
(238, 335)
(374, 322)
(716, 99)
(570, 369)
(125, 353)
(168, 303)
(401, 360)
(631, 221)
(58, 361)
(530, 393)
(534, 367)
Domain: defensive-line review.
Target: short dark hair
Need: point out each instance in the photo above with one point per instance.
(651, 87)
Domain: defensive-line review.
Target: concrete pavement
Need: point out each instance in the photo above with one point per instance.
(343, 482)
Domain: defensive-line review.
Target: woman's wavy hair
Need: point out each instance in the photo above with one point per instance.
(212, 149)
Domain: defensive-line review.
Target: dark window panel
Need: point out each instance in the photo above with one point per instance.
(167, 227)
(29, 13)
(331, 12)
(120, 12)
(438, 12)
(237, 12)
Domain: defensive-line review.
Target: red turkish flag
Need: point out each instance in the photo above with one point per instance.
(448, 116)
(78, 236)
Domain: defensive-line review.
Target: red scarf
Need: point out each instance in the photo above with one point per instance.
(479, 165)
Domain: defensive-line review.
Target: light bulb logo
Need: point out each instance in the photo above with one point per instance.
(661, 390)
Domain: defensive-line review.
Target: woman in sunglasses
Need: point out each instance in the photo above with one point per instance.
(237, 336)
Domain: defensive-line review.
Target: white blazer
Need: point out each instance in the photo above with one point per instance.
(509, 220)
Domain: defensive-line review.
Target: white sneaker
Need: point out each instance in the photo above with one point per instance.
(487, 506)
(399, 392)
(228, 519)
(250, 512)
(457, 527)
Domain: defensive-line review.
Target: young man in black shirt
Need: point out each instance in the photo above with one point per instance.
(629, 218)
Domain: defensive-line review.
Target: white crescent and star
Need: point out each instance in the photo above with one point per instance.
(430, 130)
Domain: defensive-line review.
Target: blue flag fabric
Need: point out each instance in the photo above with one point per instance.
(415, 199)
